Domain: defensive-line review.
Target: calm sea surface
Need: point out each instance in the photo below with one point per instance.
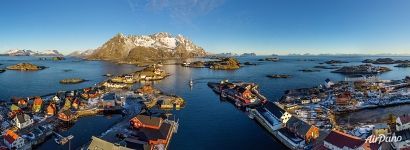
(205, 122)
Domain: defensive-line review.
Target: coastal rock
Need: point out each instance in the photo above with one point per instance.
(249, 63)
(248, 54)
(142, 48)
(2, 70)
(326, 67)
(309, 70)
(335, 62)
(362, 69)
(403, 65)
(25, 66)
(385, 61)
(72, 81)
(274, 59)
(276, 76)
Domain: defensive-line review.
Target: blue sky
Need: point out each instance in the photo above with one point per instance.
(261, 26)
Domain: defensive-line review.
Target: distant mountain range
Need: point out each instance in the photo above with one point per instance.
(25, 52)
(141, 48)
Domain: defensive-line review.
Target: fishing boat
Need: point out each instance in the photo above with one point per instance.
(61, 139)
(191, 83)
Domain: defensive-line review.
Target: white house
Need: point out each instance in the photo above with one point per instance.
(403, 122)
(22, 120)
(405, 141)
(315, 99)
(12, 140)
(305, 101)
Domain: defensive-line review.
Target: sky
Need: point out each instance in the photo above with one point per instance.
(260, 26)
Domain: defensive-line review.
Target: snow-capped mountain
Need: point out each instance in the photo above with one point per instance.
(161, 45)
(20, 52)
(81, 53)
(25, 52)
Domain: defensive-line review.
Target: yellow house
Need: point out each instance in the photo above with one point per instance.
(381, 129)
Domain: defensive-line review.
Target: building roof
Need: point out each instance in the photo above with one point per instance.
(67, 112)
(22, 118)
(150, 120)
(405, 134)
(340, 139)
(381, 126)
(99, 144)
(152, 134)
(405, 119)
(274, 109)
(299, 126)
(10, 136)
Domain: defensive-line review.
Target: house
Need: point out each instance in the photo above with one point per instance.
(22, 120)
(51, 110)
(337, 140)
(343, 99)
(66, 115)
(156, 136)
(404, 142)
(302, 129)
(315, 99)
(13, 140)
(245, 93)
(305, 101)
(143, 121)
(381, 129)
(99, 144)
(37, 104)
(152, 130)
(403, 122)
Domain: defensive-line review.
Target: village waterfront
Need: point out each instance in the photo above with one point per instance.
(206, 121)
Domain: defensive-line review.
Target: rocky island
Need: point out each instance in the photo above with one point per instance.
(225, 64)
(362, 69)
(274, 59)
(403, 65)
(72, 81)
(385, 61)
(25, 67)
(229, 63)
(335, 62)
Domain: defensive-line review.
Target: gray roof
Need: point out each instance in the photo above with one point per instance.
(405, 134)
(99, 144)
(150, 120)
(381, 126)
(274, 109)
(22, 118)
(298, 126)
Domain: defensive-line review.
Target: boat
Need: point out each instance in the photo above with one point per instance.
(62, 140)
(191, 83)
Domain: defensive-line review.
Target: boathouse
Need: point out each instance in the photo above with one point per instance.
(66, 115)
(143, 121)
(302, 129)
